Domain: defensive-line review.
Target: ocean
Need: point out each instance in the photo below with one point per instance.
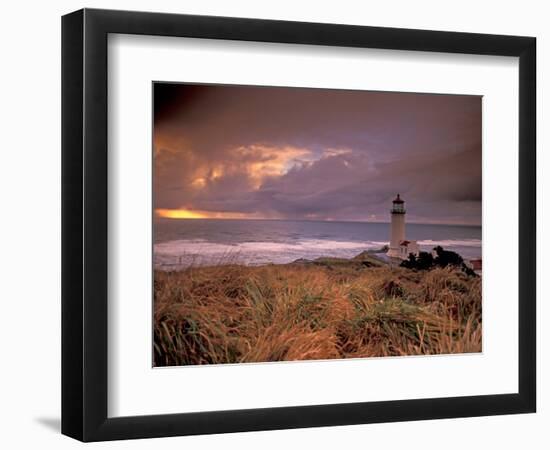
(191, 242)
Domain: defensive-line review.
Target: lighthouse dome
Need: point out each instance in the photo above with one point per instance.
(398, 199)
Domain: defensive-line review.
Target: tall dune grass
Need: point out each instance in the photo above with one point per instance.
(238, 314)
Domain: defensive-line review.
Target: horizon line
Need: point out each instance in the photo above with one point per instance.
(309, 220)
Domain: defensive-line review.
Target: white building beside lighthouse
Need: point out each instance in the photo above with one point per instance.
(400, 247)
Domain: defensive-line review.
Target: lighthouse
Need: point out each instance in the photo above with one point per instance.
(399, 246)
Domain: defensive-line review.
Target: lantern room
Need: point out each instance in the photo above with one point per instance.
(398, 206)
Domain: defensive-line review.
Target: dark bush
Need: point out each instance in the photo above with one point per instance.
(424, 261)
(444, 258)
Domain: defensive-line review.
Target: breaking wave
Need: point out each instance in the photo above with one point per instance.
(199, 252)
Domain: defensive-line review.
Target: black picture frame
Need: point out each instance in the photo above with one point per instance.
(84, 224)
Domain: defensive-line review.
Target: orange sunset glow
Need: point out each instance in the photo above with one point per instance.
(192, 214)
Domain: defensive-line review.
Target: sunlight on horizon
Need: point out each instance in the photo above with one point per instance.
(195, 214)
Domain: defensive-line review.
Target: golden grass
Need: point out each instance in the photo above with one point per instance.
(238, 314)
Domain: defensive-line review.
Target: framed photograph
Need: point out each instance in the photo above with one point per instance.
(273, 224)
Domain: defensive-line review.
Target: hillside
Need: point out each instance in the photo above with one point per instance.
(323, 309)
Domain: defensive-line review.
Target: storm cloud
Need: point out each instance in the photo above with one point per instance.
(297, 153)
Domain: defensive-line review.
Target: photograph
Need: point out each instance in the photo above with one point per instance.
(296, 224)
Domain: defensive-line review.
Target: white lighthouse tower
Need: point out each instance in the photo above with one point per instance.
(399, 246)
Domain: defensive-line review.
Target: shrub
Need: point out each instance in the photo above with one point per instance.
(444, 258)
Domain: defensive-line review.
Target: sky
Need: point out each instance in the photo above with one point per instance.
(248, 152)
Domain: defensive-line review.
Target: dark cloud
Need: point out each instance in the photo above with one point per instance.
(320, 154)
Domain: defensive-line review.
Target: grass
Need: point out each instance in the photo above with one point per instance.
(324, 310)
